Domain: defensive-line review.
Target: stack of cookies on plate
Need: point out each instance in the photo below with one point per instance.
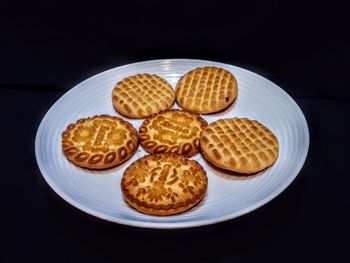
(166, 182)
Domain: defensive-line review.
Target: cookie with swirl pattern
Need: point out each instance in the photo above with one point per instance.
(172, 131)
(164, 184)
(99, 142)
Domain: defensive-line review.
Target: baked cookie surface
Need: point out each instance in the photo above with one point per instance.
(164, 184)
(142, 95)
(99, 142)
(240, 145)
(172, 131)
(206, 90)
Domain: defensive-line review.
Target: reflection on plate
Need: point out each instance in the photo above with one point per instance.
(228, 196)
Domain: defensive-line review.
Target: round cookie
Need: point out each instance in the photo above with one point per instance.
(239, 145)
(172, 131)
(99, 142)
(206, 90)
(164, 184)
(142, 95)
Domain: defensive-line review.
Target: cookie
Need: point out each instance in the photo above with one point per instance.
(99, 142)
(239, 145)
(164, 184)
(142, 95)
(172, 131)
(206, 90)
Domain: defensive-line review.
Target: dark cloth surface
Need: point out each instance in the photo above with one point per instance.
(47, 48)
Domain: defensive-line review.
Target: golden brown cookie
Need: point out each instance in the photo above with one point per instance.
(164, 184)
(206, 90)
(142, 95)
(172, 131)
(239, 145)
(99, 142)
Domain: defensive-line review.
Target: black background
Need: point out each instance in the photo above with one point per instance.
(48, 47)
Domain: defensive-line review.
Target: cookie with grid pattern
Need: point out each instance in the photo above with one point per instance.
(99, 142)
(142, 95)
(164, 184)
(240, 145)
(206, 90)
(172, 131)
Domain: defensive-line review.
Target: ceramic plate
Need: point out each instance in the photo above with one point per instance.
(98, 192)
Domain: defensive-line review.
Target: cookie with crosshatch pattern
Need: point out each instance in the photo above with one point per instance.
(240, 145)
(206, 90)
(99, 142)
(172, 131)
(142, 95)
(164, 184)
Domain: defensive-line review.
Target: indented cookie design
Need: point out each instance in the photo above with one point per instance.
(142, 95)
(172, 131)
(99, 142)
(206, 90)
(164, 184)
(239, 145)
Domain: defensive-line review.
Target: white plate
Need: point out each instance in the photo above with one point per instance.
(99, 194)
